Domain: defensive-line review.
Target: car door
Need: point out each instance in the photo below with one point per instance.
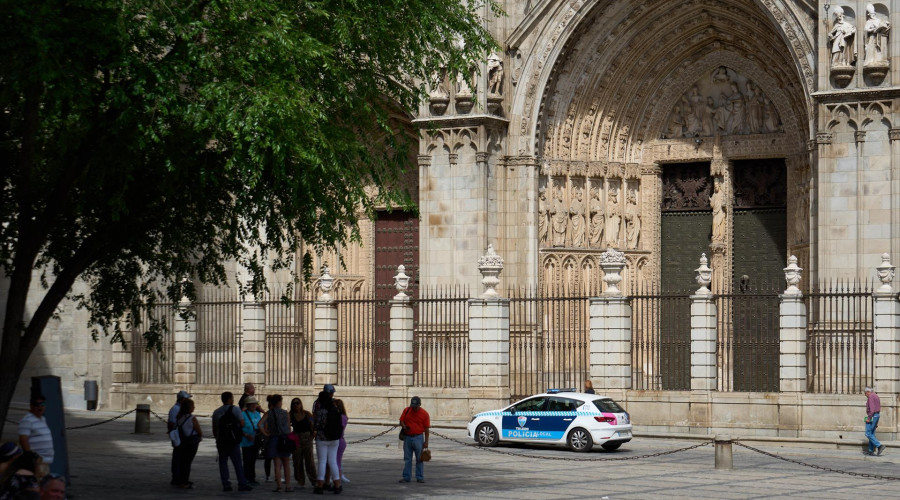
(560, 416)
(524, 421)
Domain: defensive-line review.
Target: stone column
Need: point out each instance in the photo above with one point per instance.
(703, 332)
(792, 332)
(325, 333)
(253, 343)
(610, 326)
(401, 333)
(489, 333)
(185, 346)
(887, 332)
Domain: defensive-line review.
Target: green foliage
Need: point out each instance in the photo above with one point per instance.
(144, 143)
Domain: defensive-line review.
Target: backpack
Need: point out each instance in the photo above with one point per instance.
(230, 432)
(321, 417)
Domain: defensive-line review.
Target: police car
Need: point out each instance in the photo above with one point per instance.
(558, 416)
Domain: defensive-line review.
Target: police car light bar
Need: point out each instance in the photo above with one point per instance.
(556, 391)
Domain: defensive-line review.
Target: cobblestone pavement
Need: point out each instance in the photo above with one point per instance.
(109, 461)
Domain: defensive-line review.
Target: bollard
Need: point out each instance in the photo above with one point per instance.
(142, 419)
(723, 452)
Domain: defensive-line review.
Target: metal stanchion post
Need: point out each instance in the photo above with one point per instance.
(142, 419)
(723, 452)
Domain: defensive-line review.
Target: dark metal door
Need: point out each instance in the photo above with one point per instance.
(396, 243)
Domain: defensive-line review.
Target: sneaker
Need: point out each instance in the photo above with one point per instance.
(420, 480)
(245, 487)
(880, 450)
(868, 453)
(344, 479)
(338, 490)
(227, 488)
(404, 480)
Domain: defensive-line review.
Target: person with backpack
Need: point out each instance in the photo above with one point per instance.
(190, 435)
(228, 424)
(328, 435)
(276, 425)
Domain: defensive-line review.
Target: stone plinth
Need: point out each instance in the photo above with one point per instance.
(887, 343)
(253, 344)
(610, 358)
(401, 343)
(325, 335)
(703, 343)
(792, 335)
(489, 343)
(185, 348)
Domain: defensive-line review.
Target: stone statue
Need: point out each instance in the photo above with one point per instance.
(770, 117)
(632, 221)
(560, 218)
(720, 118)
(495, 75)
(613, 218)
(841, 37)
(597, 217)
(717, 201)
(737, 119)
(576, 211)
(754, 108)
(676, 124)
(543, 217)
(720, 75)
(697, 108)
(877, 32)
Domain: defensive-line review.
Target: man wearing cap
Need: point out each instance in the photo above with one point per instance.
(328, 389)
(8, 452)
(415, 423)
(173, 415)
(34, 435)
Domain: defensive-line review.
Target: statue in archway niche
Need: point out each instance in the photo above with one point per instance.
(717, 202)
(543, 217)
(559, 218)
(632, 221)
(736, 107)
(754, 108)
(597, 219)
(676, 127)
(613, 217)
(576, 211)
(841, 37)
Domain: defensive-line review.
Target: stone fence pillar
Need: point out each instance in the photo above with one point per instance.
(489, 334)
(325, 333)
(703, 332)
(887, 331)
(610, 328)
(401, 333)
(185, 346)
(253, 343)
(792, 332)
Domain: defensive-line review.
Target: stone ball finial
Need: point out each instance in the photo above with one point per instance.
(490, 265)
(886, 273)
(792, 275)
(612, 262)
(401, 283)
(326, 283)
(704, 276)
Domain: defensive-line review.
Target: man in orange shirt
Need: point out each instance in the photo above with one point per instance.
(415, 423)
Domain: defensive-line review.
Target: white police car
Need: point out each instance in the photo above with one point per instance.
(559, 416)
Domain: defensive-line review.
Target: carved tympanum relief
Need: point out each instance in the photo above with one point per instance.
(842, 39)
(722, 103)
(877, 31)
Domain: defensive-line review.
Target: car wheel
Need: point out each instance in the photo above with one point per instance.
(486, 435)
(580, 440)
(611, 446)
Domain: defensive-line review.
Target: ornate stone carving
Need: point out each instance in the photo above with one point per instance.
(876, 63)
(894, 134)
(495, 83)
(326, 282)
(559, 218)
(401, 283)
(823, 138)
(490, 265)
(720, 213)
(597, 219)
(576, 213)
(612, 262)
(860, 136)
(842, 38)
(792, 275)
(439, 97)
(613, 215)
(688, 188)
(704, 276)
(543, 217)
(632, 221)
(886, 274)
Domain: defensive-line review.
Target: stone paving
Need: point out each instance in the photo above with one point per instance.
(109, 461)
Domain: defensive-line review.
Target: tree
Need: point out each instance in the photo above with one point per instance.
(145, 143)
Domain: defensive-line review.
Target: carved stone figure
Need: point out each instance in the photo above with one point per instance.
(576, 211)
(717, 201)
(770, 116)
(597, 219)
(613, 217)
(543, 217)
(737, 118)
(841, 37)
(754, 108)
(495, 75)
(632, 221)
(676, 126)
(877, 32)
(720, 118)
(560, 219)
(720, 75)
(697, 108)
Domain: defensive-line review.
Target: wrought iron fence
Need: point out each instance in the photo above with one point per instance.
(289, 340)
(840, 337)
(154, 367)
(219, 332)
(748, 344)
(357, 341)
(441, 338)
(660, 340)
(549, 342)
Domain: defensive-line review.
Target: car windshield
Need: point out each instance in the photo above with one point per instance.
(608, 406)
(533, 404)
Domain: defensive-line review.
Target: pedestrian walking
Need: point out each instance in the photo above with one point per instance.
(415, 423)
(342, 445)
(328, 435)
(302, 425)
(252, 439)
(191, 434)
(170, 423)
(873, 413)
(228, 424)
(276, 425)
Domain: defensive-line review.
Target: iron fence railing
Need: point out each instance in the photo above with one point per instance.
(549, 342)
(289, 341)
(441, 338)
(357, 343)
(660, 340)
(840, 337)
(748, 343)
(219, 331)
(154, 367)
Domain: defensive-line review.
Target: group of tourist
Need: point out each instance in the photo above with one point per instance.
(243, 433)
(24, 473)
